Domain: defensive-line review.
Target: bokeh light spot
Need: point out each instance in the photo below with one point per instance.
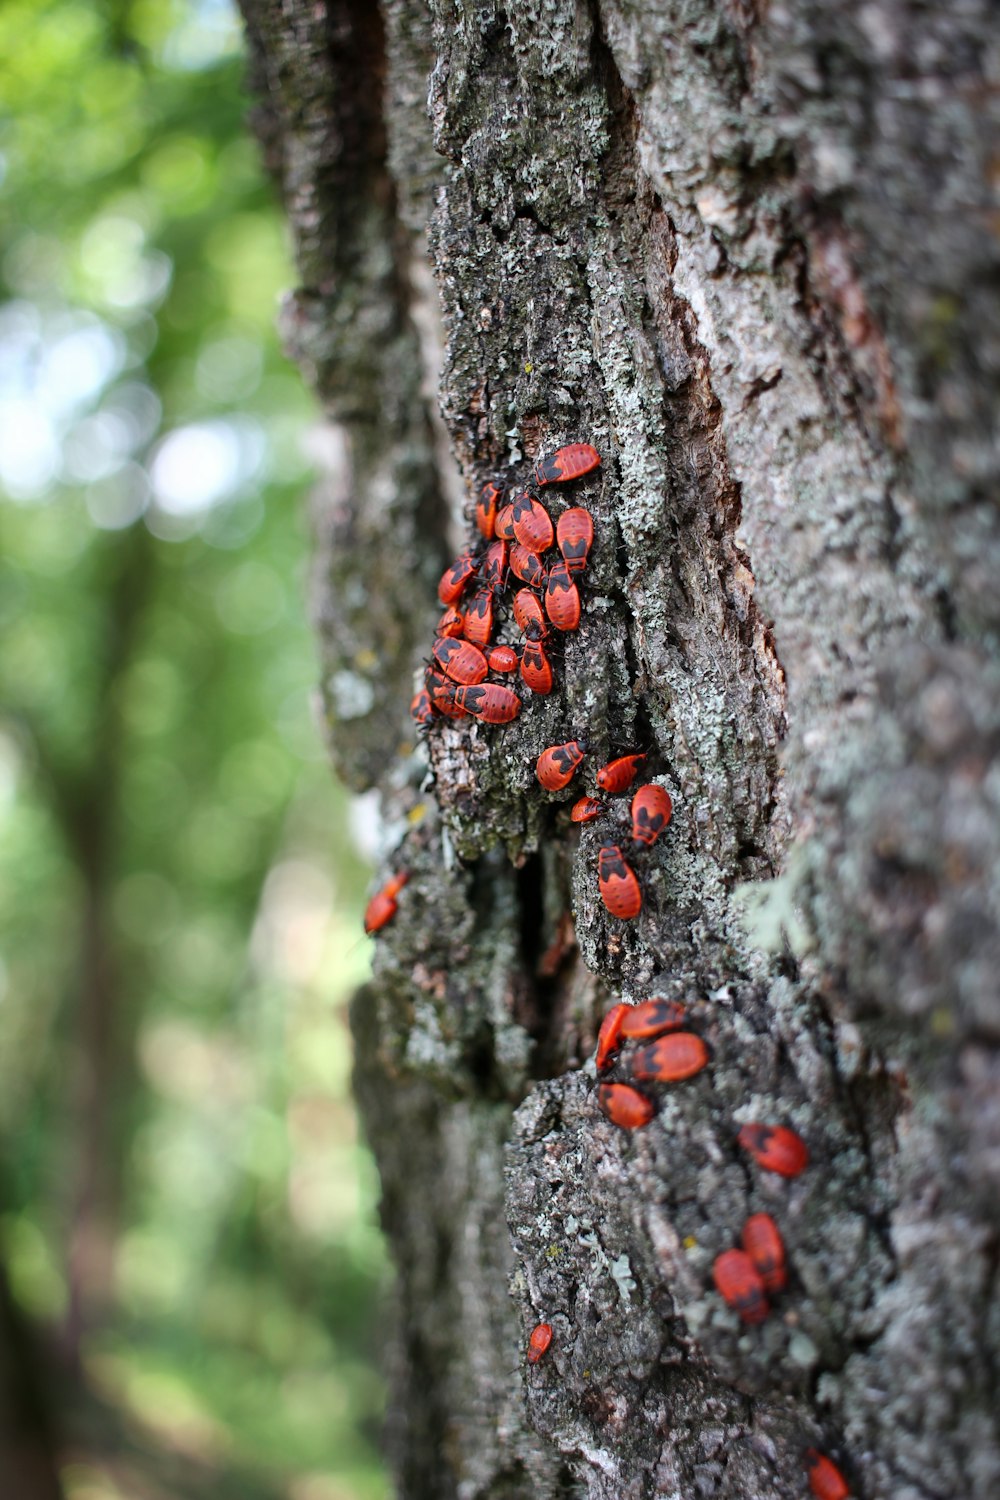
(229, 368)
(196, 466)
(119, 499)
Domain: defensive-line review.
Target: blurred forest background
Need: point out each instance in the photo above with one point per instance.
(186, 1217)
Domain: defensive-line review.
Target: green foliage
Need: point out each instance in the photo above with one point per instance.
(179, 901)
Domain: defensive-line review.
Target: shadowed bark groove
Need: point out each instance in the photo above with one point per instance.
(747, 252)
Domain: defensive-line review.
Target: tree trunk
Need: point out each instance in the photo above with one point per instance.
(28, 1465)
(750, 253)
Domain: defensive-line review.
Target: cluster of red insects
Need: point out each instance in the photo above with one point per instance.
(651, 811)
(743, 1277)
(517, 532)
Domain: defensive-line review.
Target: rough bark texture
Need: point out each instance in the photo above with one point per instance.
(750, 252)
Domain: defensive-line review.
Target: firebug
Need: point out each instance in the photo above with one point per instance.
(609, 1036)
(528, 610)
(775, 1148)
(651, 810)
(762, 1241)
(382, 906)
(618, 775)
(617, 883)
(825, 1479)
(451, 623)
(454, 579)
(536, 669)
(740, 1285)
(486, 508)
(624, 1105)
(585, 810)
(539, 1341)
(532, 523)
(504, 525)
(478, 624)
(653, 1017)
(502, 659)
(527, 566)
(575, 537)
(489, 701)
(567, 463)
(556, 766)
(562, 598)
(421, 707)
(680, 1055)
(495, 565)
(460, 660)
(442, 695)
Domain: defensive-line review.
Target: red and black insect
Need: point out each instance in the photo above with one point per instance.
(624, 1105)
(567, 463)
(618, 775)
(617, 883)
(762, 1241)
(495, 565)
(527, 566)
(536, 669)
(539, 1341)
(775, 1148)
(489, 702)
(442, 695)
(671, 1059)
(532, 523)
(486, 508)
(575, 537)
(421, 707)
(460, 660)
(504, 524)
(609, 1037)
(454, 579)
(825, 1479)
(562, 598)
(653, 1017)
(478, 623)
(502, 659)
(382, 907)
(451, 623)
(585, 810)
(651, 810)
(740, 1285)
(556, 766)
(528, 610)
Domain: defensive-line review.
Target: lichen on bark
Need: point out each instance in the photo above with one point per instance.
(746, 251)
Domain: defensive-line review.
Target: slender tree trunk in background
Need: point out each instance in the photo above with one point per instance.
(87, 804)
(750, 252)
(27, 1456)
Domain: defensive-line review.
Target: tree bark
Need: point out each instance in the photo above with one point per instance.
(750, 253)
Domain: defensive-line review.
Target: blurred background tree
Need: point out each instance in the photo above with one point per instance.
(186, 1217)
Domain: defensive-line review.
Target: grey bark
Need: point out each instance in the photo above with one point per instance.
(750, 252)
